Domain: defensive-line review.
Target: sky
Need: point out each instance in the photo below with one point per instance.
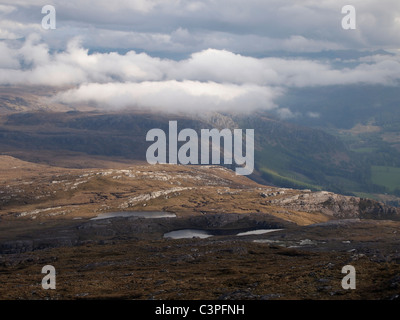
(218, 55)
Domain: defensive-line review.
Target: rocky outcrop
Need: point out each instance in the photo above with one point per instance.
(377, 210)
(338, 206)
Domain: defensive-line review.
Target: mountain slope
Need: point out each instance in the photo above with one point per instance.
(33, 191)
(286, 154)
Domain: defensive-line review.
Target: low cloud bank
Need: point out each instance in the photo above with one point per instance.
(210, 80)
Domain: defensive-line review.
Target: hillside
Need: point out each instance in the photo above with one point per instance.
(286, 155)
(350, 161)
(42, 193)
(55, 215)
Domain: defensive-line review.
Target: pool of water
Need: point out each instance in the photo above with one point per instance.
(187, 234)
(191, 233)
(255, 232)
(140, 214)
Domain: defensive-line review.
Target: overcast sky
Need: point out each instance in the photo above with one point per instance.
(195, 55)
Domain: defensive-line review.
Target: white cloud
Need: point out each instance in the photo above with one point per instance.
(314, 115)
(209, 80)
(6, 9)
(248, 27)
(222, 40)
(285, 113)
(8, 58)
(171, 95)
(208, 65)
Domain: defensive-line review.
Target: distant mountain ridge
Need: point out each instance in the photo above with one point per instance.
(306, 153)
(286, 154)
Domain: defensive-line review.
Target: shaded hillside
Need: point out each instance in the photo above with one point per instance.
(294, 156)
(286, 155)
